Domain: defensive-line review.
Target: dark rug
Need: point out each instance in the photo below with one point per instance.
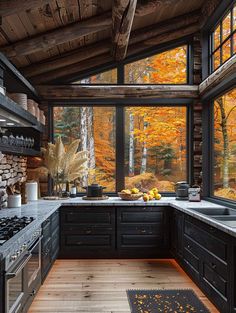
(165, 301)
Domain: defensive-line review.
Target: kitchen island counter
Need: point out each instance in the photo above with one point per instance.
(42, 209)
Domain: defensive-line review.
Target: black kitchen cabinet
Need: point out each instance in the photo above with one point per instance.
(177, 229)
(233, 278)
(206, 257)
(2, 289)
(87, 232)
(50, 243)
(143, 231)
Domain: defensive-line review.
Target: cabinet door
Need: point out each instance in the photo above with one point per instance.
(177, 234)
(233, 277)
(87, 232)
(143, 231)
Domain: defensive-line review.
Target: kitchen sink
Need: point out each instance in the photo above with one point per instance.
(216, 211)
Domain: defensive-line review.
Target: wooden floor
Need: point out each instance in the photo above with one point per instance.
(100, 285)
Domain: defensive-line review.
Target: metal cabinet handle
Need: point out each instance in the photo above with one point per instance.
(143, 231)
(88, 231)
(213, 265)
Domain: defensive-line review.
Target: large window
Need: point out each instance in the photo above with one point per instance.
(169, 67)
(155, 146)
(95, 127)
(223, 39)
(225, 146)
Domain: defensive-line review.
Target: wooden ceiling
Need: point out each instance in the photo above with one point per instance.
(48, 36)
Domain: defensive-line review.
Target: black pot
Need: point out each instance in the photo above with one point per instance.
(181, 189)
(94, 190)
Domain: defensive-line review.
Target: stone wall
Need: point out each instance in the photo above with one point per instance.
(12, 170)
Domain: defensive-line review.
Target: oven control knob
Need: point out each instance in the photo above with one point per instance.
(13, 257)
(24, 246)
(17, 252)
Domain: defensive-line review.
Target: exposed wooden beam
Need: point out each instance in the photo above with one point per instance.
(9, 7)
(122, 20)
(70, 92)
(221, 74)
(167, 26)
(100, 60)
(58, 36)
(72, 69)
(148, 7)
(102, 47)
(67, 59)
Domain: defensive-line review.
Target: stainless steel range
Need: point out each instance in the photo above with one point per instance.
(22, 265)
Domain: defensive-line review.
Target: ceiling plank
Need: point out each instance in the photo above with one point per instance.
(91, 51)
(67, 59)
(122, 20)
(58, 36)
(70, 92)
(9, 7)
(150, 6)
(100, 60)
(72, 69)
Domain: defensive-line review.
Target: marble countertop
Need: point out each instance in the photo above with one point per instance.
(42, 209)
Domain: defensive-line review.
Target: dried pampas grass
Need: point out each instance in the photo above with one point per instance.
(65, 163)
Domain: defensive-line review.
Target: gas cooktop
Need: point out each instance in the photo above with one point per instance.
(9, 226)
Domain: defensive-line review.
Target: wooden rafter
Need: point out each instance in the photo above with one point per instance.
(72, 62)
(67, 59)
(65, 92)
(122, 20)
(58, 36)
(74, 69)
(9, 7)
(150, 6)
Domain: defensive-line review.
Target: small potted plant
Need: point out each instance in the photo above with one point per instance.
(14, 196)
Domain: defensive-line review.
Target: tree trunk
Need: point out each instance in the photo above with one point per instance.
(131, 144)
(90, 139)
(83, 136)
(225, 143)
(144, 154)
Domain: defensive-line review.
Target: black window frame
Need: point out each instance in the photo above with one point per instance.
(206, 33)
(120, 66)
(208, 146)
(120, 130)
(208, 105)
(222, 42)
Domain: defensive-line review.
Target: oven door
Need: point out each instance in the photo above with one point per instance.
(33, 267)
(14, 284)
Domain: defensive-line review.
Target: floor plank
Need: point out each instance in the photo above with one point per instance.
(92, 286)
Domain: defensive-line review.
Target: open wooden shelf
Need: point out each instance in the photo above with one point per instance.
(16, 150)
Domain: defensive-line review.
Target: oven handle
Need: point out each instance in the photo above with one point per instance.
(35, 244)
(22, 265)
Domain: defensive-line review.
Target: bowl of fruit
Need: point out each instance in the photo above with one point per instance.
(152, 194)
(130, 194)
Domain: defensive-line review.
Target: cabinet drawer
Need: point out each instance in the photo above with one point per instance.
(140, 241)
(213, 279)
(207, 240)
(142, 229)
(55, 220)
(141, 215)
(85, 230)
(192, 257)
(87, 216)
(46, 228)
(87, 241)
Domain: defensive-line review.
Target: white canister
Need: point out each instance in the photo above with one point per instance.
(31, 190)
(14, 201)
